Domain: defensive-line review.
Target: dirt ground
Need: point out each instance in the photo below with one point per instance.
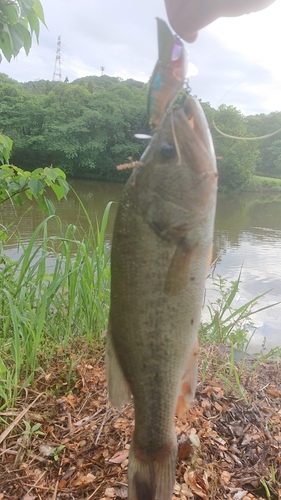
(71, 444)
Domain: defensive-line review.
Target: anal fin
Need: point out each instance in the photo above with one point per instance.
(118, 388)
(188, 384)
(209, 257)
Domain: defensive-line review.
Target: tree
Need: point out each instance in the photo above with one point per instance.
(275, 158)
(87, 133)
(270, 147)
(237, 158)
(19, 19)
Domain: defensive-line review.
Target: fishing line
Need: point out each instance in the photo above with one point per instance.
(175, 138)
(245, 138)
(240, 138)
(240, 81)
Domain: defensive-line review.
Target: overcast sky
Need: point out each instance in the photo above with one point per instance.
(238, 59)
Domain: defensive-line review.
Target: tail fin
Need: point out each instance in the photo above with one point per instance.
(150, 480)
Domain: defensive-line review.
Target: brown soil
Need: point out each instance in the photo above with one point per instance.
(228, 448)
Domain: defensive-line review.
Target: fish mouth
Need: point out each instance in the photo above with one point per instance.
(198, 129)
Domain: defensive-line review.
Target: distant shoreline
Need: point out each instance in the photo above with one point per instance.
(263, 185)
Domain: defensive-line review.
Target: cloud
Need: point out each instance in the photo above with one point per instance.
(121, 36)
(226, 76)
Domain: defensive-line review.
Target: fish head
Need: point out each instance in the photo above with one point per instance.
(179, 164)
(184, 136)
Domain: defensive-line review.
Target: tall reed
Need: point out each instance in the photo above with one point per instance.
(57, 291)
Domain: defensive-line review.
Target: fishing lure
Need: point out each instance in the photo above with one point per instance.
(168, 76)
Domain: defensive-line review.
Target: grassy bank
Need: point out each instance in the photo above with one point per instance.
(262, 184)
(56, 294)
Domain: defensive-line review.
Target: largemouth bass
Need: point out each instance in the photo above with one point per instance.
(161, 249)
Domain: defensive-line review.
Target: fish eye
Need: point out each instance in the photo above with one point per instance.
(167, 150)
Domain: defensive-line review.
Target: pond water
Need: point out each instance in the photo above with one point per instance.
(247, 236)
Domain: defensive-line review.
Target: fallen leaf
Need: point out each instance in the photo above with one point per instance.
(194, 438)
(186, 491)
(274, 392)
(121, 491)
(177, 488)
(208, 390)
(219, 392)
(205, 403)
(46, 450)
(124, 464)
(69, 399)
(239, 494)
(84, 480)
(191, 481)
(62, 484)
(218, 406)
(110, 493)
(225, 477)
(119, 457)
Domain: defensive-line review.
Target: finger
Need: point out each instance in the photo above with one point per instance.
(188, 16)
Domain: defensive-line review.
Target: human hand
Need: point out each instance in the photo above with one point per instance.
(188, 16)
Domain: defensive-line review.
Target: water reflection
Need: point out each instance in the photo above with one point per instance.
(247, 234)
(94, 195)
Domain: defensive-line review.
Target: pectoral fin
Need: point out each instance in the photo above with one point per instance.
(177, 276)
(119, 391)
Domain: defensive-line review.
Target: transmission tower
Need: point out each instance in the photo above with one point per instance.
(57, 68)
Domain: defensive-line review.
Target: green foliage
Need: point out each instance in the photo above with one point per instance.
(275, 154)
(236, 159)
(19, 19)
(56, 452)
(16, 183)
(85, 132)
(269, 163)
(30, 430)
(5, 148)
(87, 128)
(261, 183)
(57, 291)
